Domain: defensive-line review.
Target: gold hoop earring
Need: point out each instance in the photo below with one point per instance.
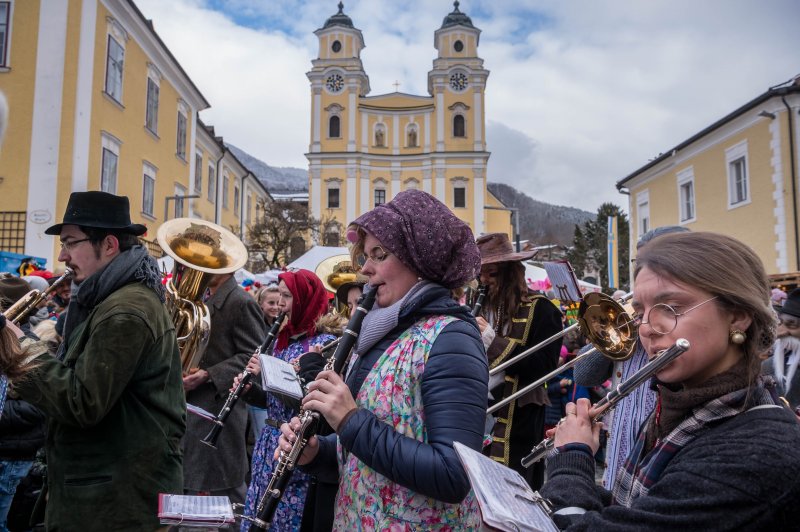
(737, 337)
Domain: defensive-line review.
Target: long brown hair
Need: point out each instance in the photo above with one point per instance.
(723, 267)
(12, 355)
(512, 290)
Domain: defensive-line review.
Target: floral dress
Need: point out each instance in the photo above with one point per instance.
(290, 509)
(368, 500)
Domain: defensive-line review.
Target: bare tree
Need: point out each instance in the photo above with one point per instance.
(281, 224)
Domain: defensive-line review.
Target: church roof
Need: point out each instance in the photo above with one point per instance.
(339, 19)
(457, 18)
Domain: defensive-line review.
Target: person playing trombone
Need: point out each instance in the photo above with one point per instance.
(719, 452)
(512, 320)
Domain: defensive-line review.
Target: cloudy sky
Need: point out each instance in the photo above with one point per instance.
(581, 92)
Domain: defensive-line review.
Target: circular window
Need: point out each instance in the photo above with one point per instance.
(336, 46)
(458, 46)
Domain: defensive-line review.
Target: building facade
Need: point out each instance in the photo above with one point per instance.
(98, 102)
(366, 149)
(738, 176)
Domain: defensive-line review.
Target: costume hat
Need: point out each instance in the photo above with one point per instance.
(98, 209)
(496, 247)
(12, 289)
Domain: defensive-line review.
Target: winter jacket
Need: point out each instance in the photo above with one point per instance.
(21, 430)
(116, 413)
(743, 474)
(454, 391)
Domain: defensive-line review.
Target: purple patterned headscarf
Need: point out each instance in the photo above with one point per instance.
(426, 236)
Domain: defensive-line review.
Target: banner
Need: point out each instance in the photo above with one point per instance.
(613, 254)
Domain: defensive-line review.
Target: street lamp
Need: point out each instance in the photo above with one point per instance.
(178, 197)
(515, 213)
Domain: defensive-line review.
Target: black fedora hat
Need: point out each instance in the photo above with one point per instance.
(98, 209)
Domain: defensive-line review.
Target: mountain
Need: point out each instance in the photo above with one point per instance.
(276, 179)
(539, 222)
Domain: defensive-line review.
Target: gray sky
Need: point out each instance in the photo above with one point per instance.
(581, 92)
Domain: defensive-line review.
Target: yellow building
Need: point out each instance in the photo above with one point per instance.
(364, 149)
(97, 102)
(737, 176)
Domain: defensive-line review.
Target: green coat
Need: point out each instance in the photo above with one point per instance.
(116, 415)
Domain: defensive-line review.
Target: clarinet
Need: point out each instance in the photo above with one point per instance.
(309, 422)
(219, 422)
(476, 308)
(613, 397)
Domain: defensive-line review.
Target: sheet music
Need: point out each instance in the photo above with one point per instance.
(196, 410)
(196, 510)
(280, 377)
(562, 277)
(506, 501)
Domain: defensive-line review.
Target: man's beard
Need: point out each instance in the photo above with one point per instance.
(789, 344)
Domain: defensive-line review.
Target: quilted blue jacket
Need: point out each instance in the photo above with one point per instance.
(454, 394)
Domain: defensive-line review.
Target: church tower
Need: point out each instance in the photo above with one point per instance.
(364, 150)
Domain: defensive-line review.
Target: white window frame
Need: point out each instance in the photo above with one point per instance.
(249, 204)
(226, 183)
(115, 32)
(643, 224)
(198, 171)
(212, 183)
(181, 134)
(380, 184)
(687, 206)
(236, 198)
(149, 173)
(5, 55)
(334, 110)
(180, 197)
(412, 183)
(153, 80)
(111, 145)
(732, 156)
(333, 183)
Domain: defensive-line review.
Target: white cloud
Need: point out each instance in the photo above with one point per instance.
(580, 94)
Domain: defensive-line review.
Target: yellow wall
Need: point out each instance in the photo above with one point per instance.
(18, 85)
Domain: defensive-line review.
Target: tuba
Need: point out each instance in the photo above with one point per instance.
(200, 250)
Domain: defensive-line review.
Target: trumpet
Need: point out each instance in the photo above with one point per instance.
(233, 397)
(309, 421)
(601, 319)
(613, 397)
(607, 325)
(28, 303)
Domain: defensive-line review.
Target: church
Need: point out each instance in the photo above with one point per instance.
(366, 149)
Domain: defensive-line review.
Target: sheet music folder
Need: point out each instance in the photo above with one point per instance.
(506, 501)
(194, 510)
(279, 377)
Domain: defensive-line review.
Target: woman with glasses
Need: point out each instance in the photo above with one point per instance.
(719, 452)
(418, 383)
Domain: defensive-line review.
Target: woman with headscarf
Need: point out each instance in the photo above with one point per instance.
(418, 383)
(305, 300)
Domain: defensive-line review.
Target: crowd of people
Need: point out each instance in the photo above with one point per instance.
(93, 377)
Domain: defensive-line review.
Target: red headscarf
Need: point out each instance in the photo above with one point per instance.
(309, 302)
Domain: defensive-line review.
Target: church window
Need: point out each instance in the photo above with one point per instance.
(336, 47)
(380, 196)
(333, 198)
(459, 126)
(334, 129)
(459, 197)
(458, 46)
(380, 136)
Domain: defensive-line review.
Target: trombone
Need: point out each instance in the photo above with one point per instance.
(604, 321)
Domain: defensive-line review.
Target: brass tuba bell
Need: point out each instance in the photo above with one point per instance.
(200, 250)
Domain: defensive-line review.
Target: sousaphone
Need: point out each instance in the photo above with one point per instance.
(200, 250)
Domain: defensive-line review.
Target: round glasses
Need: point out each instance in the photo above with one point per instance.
(378, 254)
(662, 318)
(68, 245)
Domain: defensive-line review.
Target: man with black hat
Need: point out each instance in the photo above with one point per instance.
(786, 354)
(114, 394)
(512, 320)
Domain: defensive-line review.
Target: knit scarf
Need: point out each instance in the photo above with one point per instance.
(679, 418)
(134, 265)
(379, 321)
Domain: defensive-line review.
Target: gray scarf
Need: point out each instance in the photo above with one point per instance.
(131, 266)
(379, 321)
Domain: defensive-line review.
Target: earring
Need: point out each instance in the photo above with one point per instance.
(737, 337)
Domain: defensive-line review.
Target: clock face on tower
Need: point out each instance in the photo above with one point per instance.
(458, 81)
(334, 83)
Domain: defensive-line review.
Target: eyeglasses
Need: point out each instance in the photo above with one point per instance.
(377, 255)
(789, 322)
(68, 245)
(662, 318)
